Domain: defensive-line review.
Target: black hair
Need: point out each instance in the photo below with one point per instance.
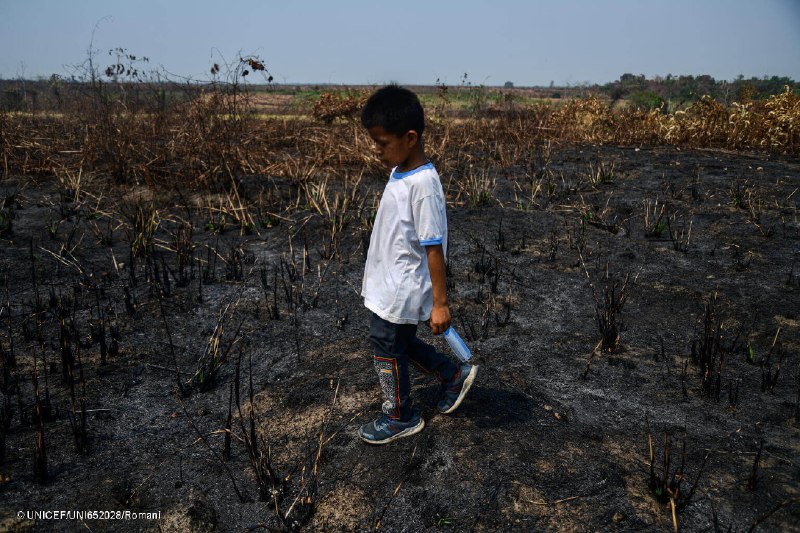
(394, 108)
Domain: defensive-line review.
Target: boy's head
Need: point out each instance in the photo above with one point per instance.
(394, 108)
(395, 120)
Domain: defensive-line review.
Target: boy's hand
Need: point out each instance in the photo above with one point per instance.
(440, 314)
(440, 319)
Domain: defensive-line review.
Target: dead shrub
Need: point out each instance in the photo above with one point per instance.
(333, 105)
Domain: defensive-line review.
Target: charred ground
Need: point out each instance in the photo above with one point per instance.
(553, 436)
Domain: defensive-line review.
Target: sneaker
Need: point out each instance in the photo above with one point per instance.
(384, 430)
(455, 391)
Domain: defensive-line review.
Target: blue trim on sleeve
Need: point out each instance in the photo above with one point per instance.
(430, 242)
(400, 175)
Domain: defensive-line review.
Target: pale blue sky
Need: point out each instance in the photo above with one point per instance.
(412, 41)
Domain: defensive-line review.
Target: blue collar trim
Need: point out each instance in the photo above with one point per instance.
(400, 175)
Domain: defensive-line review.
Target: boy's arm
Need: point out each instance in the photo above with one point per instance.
(440, 314)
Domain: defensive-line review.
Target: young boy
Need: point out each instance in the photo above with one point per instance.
(404, 277)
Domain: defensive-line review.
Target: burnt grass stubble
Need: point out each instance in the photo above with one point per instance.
(223, 384)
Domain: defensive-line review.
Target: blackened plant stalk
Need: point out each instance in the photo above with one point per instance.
(226, 451)
(601, 173)
(797, 399)
(752, 481)
(47, 406)
(99, 329)
(114, 332)
(65, 345)
(506, 313)
(740, 194)
(494, 280)
(130, 306)
(234, 266)
(667, 484)
(10, 358)
(202, 437)
(272, 308)
(793, 279)
(40, 454)
(654, 224)
(184, 247)
(500, 239)
(77, 418)
(707, 351)
(37, 303)
(733, 392)
(769, 375)
(681, 238)
(610, 294)
(553, 245)
(306, 498)
(4, 415)
(210, 270)
(143, 221)
(181, 390)
(271, 486)
(214, 354)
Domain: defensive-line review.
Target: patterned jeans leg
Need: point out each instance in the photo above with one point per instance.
(391, 343)
(386, 367)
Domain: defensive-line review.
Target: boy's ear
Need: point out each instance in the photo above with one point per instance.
(412, 137)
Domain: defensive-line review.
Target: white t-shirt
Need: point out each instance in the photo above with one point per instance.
(397, 284)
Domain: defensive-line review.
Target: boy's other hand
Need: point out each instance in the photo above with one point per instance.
(440, 314)
(440, 319)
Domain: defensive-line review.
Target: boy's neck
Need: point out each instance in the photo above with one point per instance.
(417, 158)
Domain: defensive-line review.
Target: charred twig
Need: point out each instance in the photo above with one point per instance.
(752, 481)
(407, 471)
(178, 383)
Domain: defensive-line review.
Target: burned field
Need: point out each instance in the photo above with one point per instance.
(634, 312)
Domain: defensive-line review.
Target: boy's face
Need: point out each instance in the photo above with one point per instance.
(391, 149)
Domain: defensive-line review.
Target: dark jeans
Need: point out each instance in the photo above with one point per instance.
(395, 346)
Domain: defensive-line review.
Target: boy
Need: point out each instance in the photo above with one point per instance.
(404, 276)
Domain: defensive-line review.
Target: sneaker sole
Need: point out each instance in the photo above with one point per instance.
(464, 390)
(405, 433)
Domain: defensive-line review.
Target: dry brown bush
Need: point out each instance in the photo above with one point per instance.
(211, 136)
(333, 105)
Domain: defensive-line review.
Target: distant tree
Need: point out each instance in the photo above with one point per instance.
(616, 92)
(645, 100)
(509, 85)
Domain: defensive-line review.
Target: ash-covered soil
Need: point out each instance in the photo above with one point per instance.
(553, 436)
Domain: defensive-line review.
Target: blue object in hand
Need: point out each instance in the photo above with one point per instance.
(456, 344)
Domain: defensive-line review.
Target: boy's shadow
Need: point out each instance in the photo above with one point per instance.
(489, 407)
